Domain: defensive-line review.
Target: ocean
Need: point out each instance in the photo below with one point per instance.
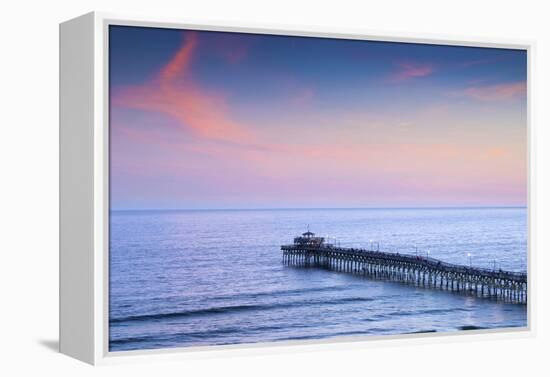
(181, 278)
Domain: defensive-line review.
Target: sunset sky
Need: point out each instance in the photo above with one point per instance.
(228, 120)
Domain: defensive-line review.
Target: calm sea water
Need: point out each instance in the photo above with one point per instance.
(189, 278)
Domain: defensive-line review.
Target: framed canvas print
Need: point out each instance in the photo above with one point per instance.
(225, 187)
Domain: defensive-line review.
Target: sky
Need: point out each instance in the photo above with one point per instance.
(212, 120)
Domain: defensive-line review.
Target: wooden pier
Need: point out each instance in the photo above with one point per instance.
(311, 251)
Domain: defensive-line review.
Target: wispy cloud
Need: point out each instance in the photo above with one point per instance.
(174, 93)
(410, 70)
(497, 92)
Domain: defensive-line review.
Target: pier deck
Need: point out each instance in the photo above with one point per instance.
(411, 269)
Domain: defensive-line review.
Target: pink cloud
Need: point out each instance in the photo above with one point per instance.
(498, 92)
(181, 61)
(174, 93)
(408, 70)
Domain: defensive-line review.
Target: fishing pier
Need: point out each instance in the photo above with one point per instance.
(311, 251)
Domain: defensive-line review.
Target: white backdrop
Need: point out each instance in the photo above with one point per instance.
(29, 189)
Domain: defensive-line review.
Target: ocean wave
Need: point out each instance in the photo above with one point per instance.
(216, 335)
(471, 327)
(185, 313)
(237, 308)
(254, 295)
(406, 313)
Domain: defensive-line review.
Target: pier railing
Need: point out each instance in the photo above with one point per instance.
(423, 271)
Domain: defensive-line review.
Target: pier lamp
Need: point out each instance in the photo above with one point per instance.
(416, 249)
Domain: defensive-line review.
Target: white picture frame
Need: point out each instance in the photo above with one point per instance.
(84, 200)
